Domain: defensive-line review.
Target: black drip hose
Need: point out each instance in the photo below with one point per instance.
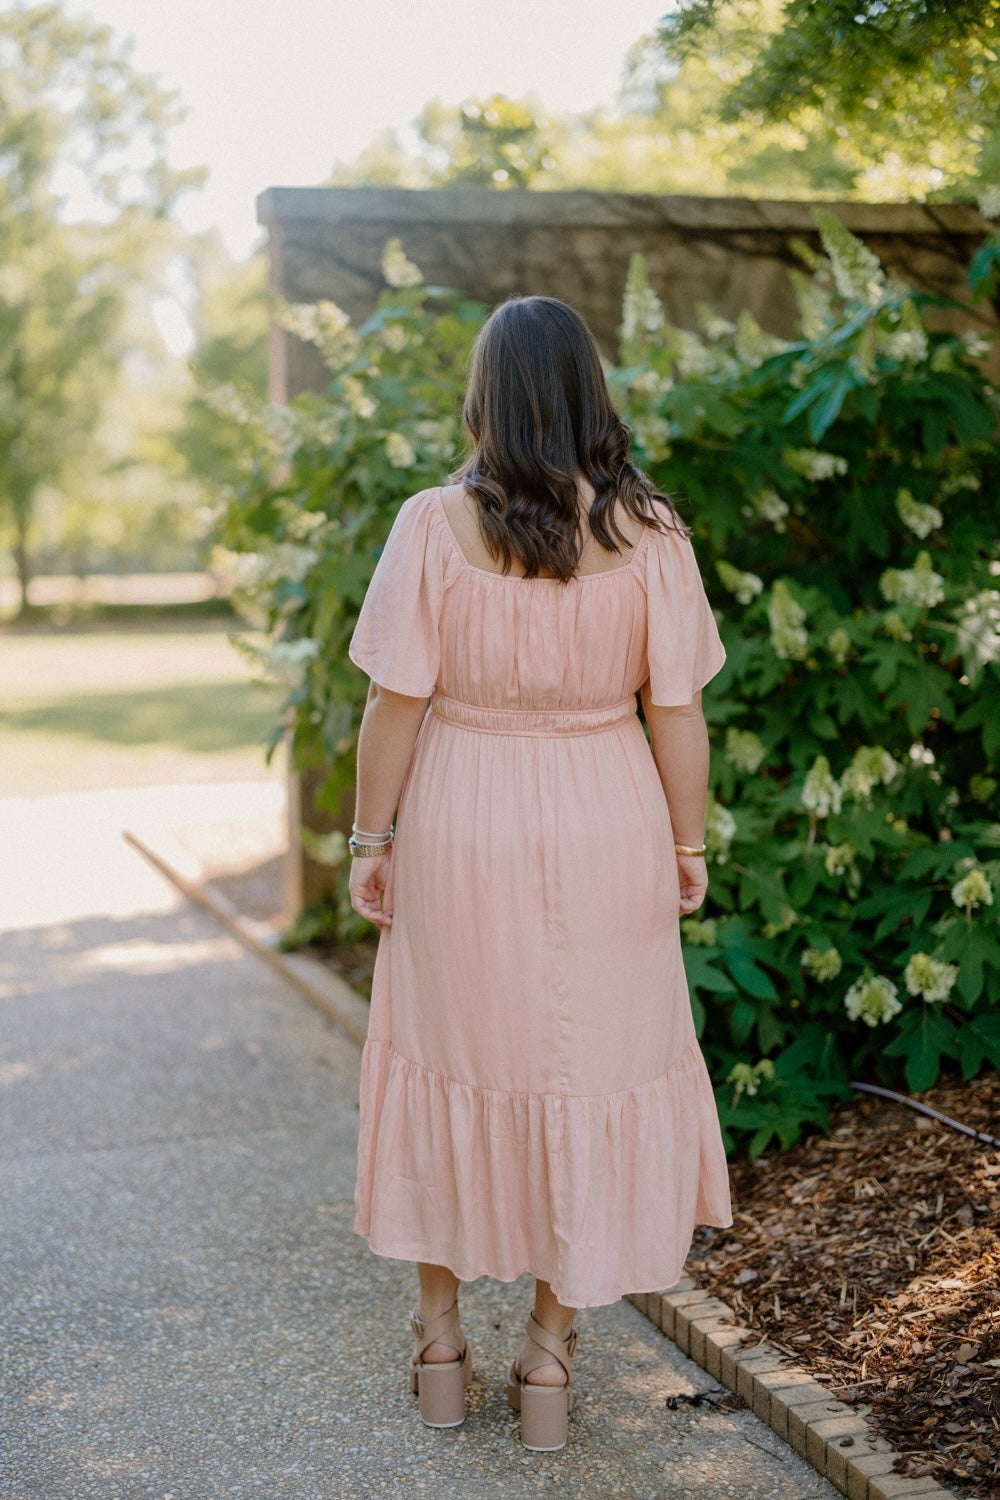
(925, 1109)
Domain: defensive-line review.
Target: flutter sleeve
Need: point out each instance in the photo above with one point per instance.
(396, 638)
(683, 645)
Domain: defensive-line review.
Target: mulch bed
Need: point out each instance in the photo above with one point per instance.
(872, 1258)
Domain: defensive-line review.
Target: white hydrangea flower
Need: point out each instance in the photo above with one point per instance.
(872, 999)
(692, 357)
(768, 504)
(393, 337)
(286, 660)
(227, 401)
(743, 586)
(989, 201)
(302, 524)
(357, 399)
(815, 305)
(918, 585)
(821, 792)
(747, 1079)
(871, 766)
(813, 464)
(717, 327)
(396, 269)
(280, 424)
(972, 890)
(787, 918)
(918, 518)
(720, 830)
(642, 310)
(958, 482)
(651, 383)
(753, 345)
(652, 433)
(976, 345)
(333, 335)
(787, 620)
(298, 318)
(907, 345)
(292, 563)
(700, 934)
(894, 627)
(438, 436)
(744, 750)
(979, 626)
(838, 643)
(823, 964)
(856, 271)
(399, 451)
(928, 977)
(839, 859)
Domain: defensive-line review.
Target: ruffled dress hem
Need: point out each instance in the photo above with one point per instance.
(614, 1183)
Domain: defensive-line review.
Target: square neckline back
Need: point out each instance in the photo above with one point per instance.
(622, 567)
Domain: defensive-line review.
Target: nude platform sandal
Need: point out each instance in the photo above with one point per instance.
(440, 1387)
(544, 1409)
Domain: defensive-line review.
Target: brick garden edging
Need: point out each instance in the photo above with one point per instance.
(837, 1442)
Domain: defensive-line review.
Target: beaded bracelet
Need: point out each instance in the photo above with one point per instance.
(371, 838)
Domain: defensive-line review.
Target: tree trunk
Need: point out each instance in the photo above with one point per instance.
(21, 560)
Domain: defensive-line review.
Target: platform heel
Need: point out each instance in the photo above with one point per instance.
(440, 1388)
(544, 1409)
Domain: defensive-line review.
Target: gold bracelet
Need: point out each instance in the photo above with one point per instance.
(360, 850)
(690, 849)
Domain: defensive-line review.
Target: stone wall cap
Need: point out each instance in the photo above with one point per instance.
(397, 207)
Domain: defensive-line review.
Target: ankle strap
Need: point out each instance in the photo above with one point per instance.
(548, 1349)
(440, 1330)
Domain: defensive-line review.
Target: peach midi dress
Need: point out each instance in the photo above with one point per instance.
(533, 1096)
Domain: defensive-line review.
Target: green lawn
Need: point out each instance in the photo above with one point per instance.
(81, 709)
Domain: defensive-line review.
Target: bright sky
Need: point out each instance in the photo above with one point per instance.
(279, 90)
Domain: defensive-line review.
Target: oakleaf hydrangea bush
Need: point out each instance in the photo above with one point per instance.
(842, 488)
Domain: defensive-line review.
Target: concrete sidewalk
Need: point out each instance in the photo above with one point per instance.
(186, 1312)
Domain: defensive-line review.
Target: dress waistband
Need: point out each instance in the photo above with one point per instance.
(539, 721)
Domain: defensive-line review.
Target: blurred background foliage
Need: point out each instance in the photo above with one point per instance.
(116, 326)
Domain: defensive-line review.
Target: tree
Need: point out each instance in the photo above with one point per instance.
(880, 100)
(491, 142)
(229, 365)
(85, 193)
(910, 77)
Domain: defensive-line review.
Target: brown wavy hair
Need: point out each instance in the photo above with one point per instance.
(539, 416)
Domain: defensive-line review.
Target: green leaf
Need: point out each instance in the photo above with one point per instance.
(749, 977)
(924, 1036)
(978, 950)
(702, 973)
(826, 411)
(979, 1043)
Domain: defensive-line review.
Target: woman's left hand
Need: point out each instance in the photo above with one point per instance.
(692, 875)
(369, 886)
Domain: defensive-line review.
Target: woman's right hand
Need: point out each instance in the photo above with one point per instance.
(369, 882)
(692, 875)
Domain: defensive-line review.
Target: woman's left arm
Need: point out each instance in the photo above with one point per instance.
(388, 734)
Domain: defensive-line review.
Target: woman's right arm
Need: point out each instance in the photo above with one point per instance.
(679, 741)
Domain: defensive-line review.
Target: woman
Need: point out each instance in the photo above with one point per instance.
(533, 1096)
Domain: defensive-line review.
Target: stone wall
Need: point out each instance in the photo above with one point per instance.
(730, 253)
